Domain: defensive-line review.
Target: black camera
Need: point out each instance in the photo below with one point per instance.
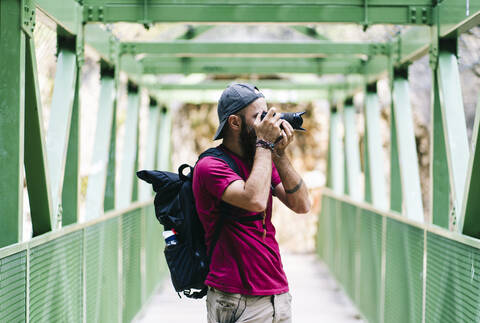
(293, 118)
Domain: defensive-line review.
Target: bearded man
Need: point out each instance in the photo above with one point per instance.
(246, 282)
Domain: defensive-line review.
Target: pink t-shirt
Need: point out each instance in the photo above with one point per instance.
(242, 261)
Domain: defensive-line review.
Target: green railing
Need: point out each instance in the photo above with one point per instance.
(99, 271)
(398, 270)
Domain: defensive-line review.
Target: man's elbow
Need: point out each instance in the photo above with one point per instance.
(303, 207)
(257, 206)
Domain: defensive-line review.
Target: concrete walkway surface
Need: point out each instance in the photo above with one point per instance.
(316, 297)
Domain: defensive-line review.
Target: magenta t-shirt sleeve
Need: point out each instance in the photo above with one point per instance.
(275, 176)
(215, 175)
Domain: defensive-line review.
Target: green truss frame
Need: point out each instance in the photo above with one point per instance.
(51, 163)
(51, 158)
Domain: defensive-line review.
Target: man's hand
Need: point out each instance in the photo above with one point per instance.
(268, 129)
(287, 137)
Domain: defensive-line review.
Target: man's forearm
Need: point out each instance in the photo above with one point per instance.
(259, 181)
(295, 189)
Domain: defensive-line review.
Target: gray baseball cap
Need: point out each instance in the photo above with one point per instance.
(233, 99)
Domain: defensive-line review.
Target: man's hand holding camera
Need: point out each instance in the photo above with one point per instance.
(287, 135)
(268, 128)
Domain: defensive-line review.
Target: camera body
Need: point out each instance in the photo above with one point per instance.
(294, 118)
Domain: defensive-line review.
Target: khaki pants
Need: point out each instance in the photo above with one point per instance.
(236, 308)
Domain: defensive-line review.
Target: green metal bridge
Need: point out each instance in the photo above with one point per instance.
(396, 264)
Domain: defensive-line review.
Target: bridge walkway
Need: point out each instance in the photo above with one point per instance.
(317, 297)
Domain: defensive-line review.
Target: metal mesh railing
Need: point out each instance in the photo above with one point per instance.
(404, 272)
(90, 270)
(396, 270)
(13, 270)
(453, 283)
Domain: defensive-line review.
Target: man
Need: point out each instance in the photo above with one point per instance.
(246, 279)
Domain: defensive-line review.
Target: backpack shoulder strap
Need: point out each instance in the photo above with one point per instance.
(219, 153)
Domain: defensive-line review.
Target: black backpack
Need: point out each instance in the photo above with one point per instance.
(188, 260)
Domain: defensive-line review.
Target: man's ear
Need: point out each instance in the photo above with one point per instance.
(234, 122)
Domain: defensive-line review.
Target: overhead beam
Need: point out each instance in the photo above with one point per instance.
(257, 65)
(455, 17)
(104, 42)
(66, 13)
(254, 11)
(261, 84)
(316, 49)
(211, 96)
(411, 45)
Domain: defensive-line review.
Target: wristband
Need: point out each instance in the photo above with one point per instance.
(265, 144)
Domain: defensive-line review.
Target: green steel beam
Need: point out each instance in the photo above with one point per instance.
(455, 128)
(211, 96)
(59, 126)
(242, 65)
(278, 48)
(66, 13)
(136, 163)
(281, 11)
(471, 205)
(71, 180)
(164, 142)
(336, 163)
(97, 179)
(104, 42)
(411, 44)
(407, 151)
(36, 173)
(455, 17)
(12, 118)
(261, 84)
(373, 67)
(375, 189)
(129, 156)
(396, 197)
(439, 180)
(352, 153)
(110, 191)
(449, 16)
(150, 151)
(329, 181)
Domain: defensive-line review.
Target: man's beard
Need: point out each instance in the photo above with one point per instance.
(248, 140)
